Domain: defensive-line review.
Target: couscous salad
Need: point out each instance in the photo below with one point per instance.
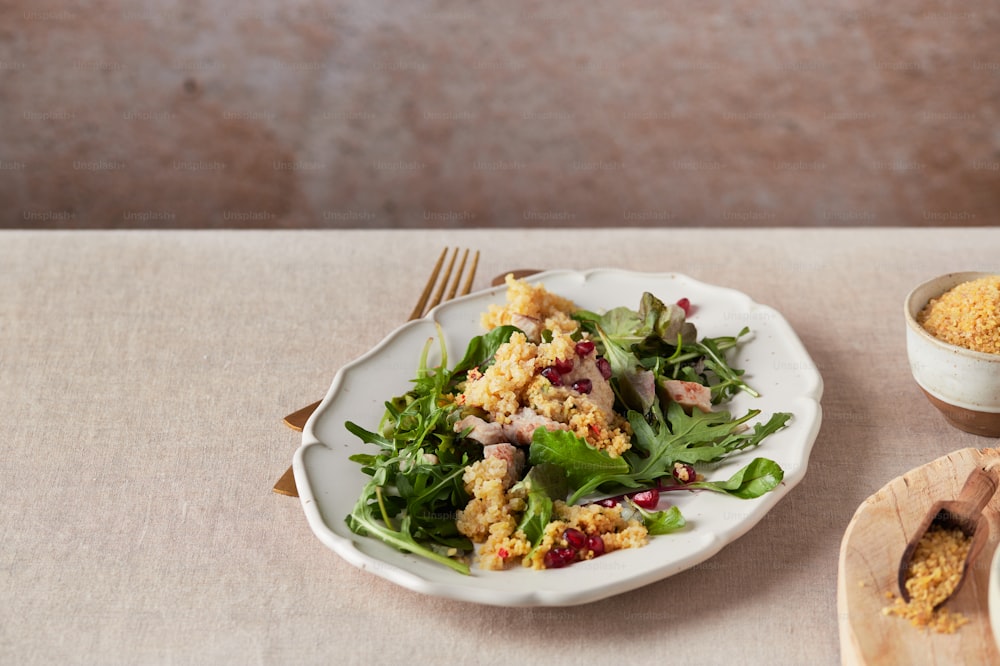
(556, 435)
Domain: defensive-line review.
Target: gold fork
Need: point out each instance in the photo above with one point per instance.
(428, 299)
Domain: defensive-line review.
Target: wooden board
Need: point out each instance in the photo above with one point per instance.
(869, 561)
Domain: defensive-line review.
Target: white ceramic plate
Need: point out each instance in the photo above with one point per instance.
(776, 364)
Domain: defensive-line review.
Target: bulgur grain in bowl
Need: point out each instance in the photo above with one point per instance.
(953, 346)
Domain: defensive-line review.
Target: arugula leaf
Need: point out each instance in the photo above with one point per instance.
(545, 483)
(483, 348)
(693, 438)
(712, 353)
(586, 467)
(760, 476)
(696, 438)
(369, 437)
(659, 522)
(362, 520)
(416, 472)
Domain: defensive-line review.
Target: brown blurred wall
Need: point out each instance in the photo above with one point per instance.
(426, 113)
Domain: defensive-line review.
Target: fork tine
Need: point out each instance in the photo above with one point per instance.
(419, 309)
(427, 302)
(444, 282)
(467, 287)
(458, 275)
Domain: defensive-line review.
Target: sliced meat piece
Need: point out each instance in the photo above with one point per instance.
(531, 327)
(484, 432)
(513, 456)
(688, 394)
(523, 424)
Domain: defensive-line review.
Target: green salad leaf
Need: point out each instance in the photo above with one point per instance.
(656, 342)
(696, 438)
(692, 438)
(760, 476)
(416, 473)
(418, 460)
(544, 484)
(587, 467)
(659, 522)
(634, 384)
(365, 521)
(483, 348)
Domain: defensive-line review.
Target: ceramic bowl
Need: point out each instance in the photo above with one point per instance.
(963, 384)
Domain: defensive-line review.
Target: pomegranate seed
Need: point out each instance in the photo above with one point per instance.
(503, 553)
(583, 385)
(552, 375)
(647, 499)
(609, 502)
(685, 305)
(584, 347)
(563, 366)
(605, 367)
(575, 538)
(559, 557)
(595, 544)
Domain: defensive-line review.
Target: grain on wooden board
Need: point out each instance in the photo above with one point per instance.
(935, 569)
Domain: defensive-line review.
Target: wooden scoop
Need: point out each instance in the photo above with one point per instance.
(964, 513)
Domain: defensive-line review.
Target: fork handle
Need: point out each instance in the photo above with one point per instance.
(286, 484)
(297, 419)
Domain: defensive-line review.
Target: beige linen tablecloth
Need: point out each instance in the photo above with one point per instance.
(144, 375)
